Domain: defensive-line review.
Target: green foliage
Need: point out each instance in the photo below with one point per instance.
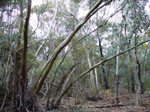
(31, 58)
(4, 3)
(38, 70)
(146, 82)
(77, 1)
(91, 3)
(43, 7)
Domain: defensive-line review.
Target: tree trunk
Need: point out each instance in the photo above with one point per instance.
(23, 80)
(139, 77)
(137, 68)
(17, 63)
(92, 81)
(117, 62)
(19, 82)
(131, 74)
(117, 76)
(96, 76)
(103, 69)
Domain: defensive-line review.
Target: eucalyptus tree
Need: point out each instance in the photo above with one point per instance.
(74, 82)
(18, 79)
(99, 34)
(139, 21)
(12, 35)
(64, 31)
(134, 29)
(139, 84)
(62, 45)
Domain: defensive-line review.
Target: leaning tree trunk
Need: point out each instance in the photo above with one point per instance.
(63, 44)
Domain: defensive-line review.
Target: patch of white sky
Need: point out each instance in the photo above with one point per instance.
(36, 2)
(147, 8)
(33, 17)
(83, 10)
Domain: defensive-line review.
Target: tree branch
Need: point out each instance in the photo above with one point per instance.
(96, 65)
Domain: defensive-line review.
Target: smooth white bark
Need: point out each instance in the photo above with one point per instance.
(96, 76)
(92, 81)
(117, 62)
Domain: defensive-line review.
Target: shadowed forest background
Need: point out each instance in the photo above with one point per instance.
(74, 56)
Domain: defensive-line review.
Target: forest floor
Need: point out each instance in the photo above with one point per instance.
(105, 103)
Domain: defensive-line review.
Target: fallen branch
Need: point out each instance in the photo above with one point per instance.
(103, 106)
(107, 106)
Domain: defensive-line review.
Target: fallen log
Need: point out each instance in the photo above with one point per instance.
(105, 106)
